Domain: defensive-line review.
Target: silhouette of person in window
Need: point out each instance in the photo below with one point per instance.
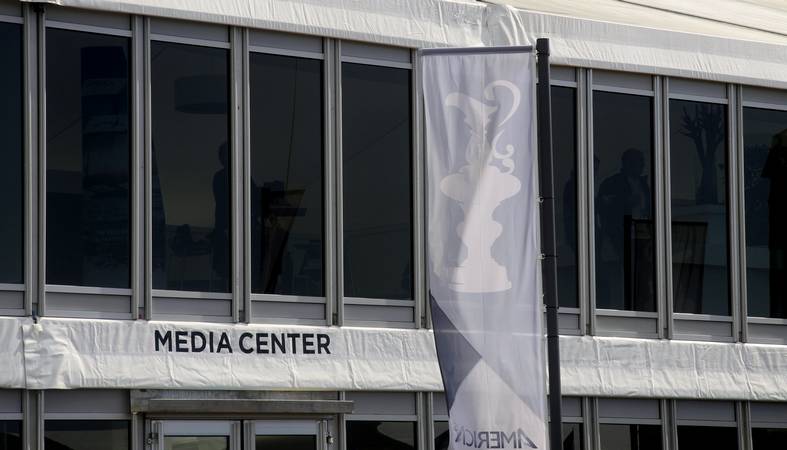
(220, 257)
(775, 170)
(622, 198)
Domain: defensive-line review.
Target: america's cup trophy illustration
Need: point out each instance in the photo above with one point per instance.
(481, 186)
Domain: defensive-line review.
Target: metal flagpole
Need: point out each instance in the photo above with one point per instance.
(548, 244)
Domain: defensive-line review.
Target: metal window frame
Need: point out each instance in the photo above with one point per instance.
(702, 321)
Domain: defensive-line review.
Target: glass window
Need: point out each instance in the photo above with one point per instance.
(564, 144)
(191, 170)
(442, 437)
(769, 438)
(765, 184)
(698, 170)
(86, 434)
(10, 435)
(288, 442)
(572, 436)
(11, 151)
(196, 443)
(376, 168)
(630, 437)
(88, 146)
(286, 175)
(623, 191)
(716, 438)
(373, 435)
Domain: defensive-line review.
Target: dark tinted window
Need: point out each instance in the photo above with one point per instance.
(765, 183)
(564, 145)
(716, 438)
(284, 442)
(769, 438)
(630, 437)
(373, 435)
(191, 170)
(442, 437)
(10, 435)
(572, 436)
(376, 168)
(86, 434)
(623, 223)
(698, 171)
(11, 150)
(286, 175)
(88, 146)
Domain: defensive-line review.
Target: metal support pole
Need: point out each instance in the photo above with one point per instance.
(548, 244)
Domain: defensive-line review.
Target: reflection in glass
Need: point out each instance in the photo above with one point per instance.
(11, 150)
(572, 436)
(716, 438)
(377, 196)
(10, 435)
(196, 443)
(285, 442)
(86, 434)
(769, 438)
(623, 177)
(286, 175)
(88, 146)
(630, 437)
(698, 172)
(372, 435)
(191, 173)
(765, 183)
(564, 144)
(442, 437)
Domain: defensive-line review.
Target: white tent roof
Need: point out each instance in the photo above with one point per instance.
(740, 41)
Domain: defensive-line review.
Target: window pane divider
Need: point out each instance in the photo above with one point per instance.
(88, 28)
(285, 52)
(286, 298)
(68, 289)
(192, 294)
(189, 41)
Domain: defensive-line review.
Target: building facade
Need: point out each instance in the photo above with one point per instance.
(261, 171)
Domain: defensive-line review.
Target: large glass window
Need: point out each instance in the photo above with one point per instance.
(623, 222)
(86, 434)
(630, 437)
(11, 151)
(765, 184)
(572, 436)
(376, 168)
(442, 436)
(374, 435)
(698, 171)
(88, 146)
(10, 435)
(564, 144)
(191, 168)
(716, 438)
(286, 175)
(769, 438)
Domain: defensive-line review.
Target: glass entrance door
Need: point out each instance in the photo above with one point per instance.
(197, 434)
(285, 435)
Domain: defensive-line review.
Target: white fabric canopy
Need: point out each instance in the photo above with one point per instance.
(82, 353)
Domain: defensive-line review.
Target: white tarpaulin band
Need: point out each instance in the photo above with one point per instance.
(76, 353)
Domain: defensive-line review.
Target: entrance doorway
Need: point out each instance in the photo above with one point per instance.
(301, 434)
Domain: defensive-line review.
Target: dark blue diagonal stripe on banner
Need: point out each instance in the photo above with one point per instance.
(455, 354)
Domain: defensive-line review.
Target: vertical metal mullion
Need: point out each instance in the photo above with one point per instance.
(332, 308)
(741, 425)
(137, 432)
(31, 142)
(137, 165)
(418, 176)
(342, 426)
(590, 186)
(733, 233)
(741, 216)
(339, 169)
(669, 322)
(659, 204)
(665, 424)
(673, 424)
(429, 421)
(588, 435)
(41, 281)
(246, 168)
(583, 212)
(236, 180)
(595, 424)
(40, 412)
(30, 422)
(746, 426)
(148, 170)
(422, 422)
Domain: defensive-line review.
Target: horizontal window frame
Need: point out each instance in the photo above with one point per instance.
(190, 41)
(12, 19)
(285, 52)
(70, 26)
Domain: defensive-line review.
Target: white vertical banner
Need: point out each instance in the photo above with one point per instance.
(483, 252)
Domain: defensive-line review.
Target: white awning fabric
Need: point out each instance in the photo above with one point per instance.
(84, 353)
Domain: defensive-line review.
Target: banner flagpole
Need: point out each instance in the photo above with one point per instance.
(548, 244)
